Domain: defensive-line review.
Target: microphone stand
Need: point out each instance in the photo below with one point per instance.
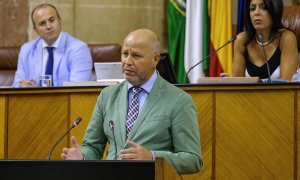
(212, 53)
(78, 120)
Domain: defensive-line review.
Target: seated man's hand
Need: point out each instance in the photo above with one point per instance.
(72, 153)
(136, 152)
(27, 83)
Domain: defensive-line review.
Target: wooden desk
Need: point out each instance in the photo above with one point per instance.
(247, 131)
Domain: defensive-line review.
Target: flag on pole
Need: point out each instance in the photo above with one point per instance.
(176, 36)
(194, 39)
(220, 33)
(240, 24)
(188, 34)
(206, 36)
(190, 38)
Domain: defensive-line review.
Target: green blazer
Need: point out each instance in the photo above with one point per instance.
(167, 125)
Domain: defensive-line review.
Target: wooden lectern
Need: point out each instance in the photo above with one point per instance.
(102, 169)
(163, 170)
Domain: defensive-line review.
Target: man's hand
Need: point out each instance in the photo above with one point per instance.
(136, 152)
(27, 83)
(72, 153)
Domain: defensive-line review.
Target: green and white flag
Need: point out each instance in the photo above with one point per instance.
(176, 36)
(194, 39)
(188, 37)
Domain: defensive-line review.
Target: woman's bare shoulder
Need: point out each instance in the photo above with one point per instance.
(240, 40)
(241, 36)
(287, 35)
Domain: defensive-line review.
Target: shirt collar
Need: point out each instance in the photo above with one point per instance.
(55, 44)
(148, 85)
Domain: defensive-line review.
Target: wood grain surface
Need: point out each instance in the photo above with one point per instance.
(2, 126)
(35, 123)
(247, 132)
(255, 135)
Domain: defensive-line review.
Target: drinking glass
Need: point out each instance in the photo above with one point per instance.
(45, 80)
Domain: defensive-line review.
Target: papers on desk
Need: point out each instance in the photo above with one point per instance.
(102, 82)
(228, 80)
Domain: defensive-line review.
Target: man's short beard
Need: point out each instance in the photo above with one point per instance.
(137, 80)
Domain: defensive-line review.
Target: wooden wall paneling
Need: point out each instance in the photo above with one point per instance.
(2, 126)
(255, 134)
(81, 104)
(35, 123)
(163, 170)
(204, 105)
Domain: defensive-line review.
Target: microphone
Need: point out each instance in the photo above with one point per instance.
(212, 53)
(112, 128)
(260, 38)
(78, 120)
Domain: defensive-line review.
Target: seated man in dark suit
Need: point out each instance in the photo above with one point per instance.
(151, 117)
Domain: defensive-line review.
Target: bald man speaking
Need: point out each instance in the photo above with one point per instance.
(151, 117)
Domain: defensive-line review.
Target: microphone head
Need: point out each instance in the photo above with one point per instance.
(111, 125)
(78, 120)
(233, 38)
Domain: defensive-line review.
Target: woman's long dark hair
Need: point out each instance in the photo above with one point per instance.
(275, 9)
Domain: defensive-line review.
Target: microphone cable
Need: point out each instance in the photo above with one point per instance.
(112, 128)
(260, 37)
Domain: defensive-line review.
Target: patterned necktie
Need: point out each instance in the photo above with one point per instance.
(49, 67)
(133, 110)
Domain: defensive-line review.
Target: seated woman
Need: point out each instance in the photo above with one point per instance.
(266, 48)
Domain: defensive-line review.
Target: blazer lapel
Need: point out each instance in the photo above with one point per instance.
(37, 59)
(147, 107)
(60, 52)
(122, 106)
